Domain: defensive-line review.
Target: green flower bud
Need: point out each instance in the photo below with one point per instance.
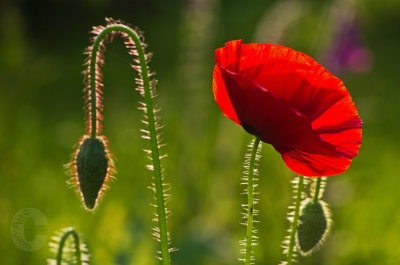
(314, 225)
(93, 165)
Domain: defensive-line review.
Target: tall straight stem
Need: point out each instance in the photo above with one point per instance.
(293, 228)
(250, 202)
(149, 111)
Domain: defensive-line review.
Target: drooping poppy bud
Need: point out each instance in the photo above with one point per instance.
(314, 225)
(93, 166)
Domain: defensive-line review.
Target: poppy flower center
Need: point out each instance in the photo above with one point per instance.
(250, 129)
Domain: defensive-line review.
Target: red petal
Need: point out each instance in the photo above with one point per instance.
(314, 165)
(221, 96)
(288, 74)
(291, 102)
(272, 118)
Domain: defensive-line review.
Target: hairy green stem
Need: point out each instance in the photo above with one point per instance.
(76, 243)
(250, 202)
(317, 189)
(149, 112)
(293, 228)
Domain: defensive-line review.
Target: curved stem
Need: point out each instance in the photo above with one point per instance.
(149, 112)
(293, 228)
(77, 247)
(317, 189)
(250, 202)
(93, 86)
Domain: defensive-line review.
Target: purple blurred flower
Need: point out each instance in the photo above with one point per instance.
(347, 53)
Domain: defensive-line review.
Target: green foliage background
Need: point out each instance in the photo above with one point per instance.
(41, 118)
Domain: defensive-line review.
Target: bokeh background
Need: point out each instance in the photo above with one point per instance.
(42, 118)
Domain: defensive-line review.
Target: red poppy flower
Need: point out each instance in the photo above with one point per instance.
(290, 101)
